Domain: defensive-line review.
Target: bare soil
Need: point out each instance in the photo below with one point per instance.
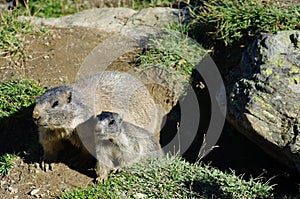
(27, 180)
(53, 58)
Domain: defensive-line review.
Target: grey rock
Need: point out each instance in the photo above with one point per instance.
(116, 19)
(264, 104)
(158, 17)
(151, 21)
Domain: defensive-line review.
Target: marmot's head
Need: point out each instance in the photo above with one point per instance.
(108, 125)
(59, 108)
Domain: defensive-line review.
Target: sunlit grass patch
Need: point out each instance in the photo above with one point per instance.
(18, 94)
(172, 177)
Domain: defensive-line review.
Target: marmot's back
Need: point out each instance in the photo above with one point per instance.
(124, 94)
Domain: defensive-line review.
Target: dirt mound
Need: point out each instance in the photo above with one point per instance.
(29, 181)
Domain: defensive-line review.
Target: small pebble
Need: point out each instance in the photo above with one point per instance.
(33, 192)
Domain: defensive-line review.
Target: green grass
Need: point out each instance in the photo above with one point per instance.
(15, 95)
(172, 177)
(12, 33)
(233, 20)
(172, 51)
(13, 30)
(6, 163)
(53, 8)
(58, 8)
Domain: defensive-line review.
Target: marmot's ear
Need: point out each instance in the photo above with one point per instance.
(119, 119)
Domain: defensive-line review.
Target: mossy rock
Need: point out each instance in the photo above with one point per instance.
(264, 103)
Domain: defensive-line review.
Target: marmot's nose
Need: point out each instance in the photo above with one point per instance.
(36, 116)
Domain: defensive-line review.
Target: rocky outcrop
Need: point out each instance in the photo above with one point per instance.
(157, 17)
(265, 103)
(116, 19)
(105, 19)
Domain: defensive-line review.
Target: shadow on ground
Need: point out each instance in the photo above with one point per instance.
(19, 135)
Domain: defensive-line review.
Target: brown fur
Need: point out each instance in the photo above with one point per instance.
(62, 110)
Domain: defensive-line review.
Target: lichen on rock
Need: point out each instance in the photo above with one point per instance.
(265, 103)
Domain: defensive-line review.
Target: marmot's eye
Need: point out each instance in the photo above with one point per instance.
(112, 122)
(55, 104)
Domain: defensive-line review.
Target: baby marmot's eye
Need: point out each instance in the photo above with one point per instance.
(112, 122)
(55, 104)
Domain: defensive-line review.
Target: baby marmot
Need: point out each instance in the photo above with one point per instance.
(120, 144)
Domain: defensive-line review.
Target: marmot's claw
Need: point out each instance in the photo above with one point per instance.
(101, 179)
(116, 170)
(46, 166)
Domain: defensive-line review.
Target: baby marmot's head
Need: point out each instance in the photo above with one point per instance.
(108, 125)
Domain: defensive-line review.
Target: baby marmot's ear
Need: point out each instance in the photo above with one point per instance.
(69, 99)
